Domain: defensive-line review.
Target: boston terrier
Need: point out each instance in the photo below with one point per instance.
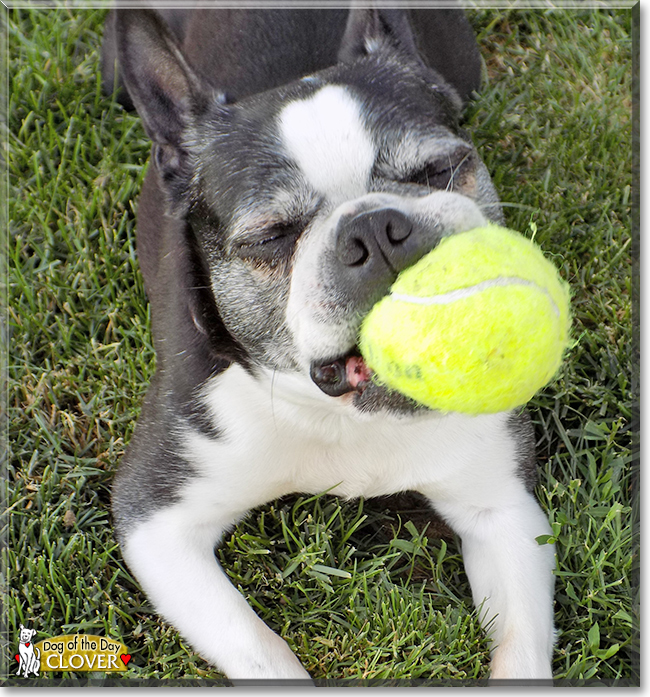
(301, 159)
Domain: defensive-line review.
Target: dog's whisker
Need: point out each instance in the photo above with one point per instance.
(450, 184)
(507, 204)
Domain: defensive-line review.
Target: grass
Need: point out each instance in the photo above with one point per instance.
(358, 591)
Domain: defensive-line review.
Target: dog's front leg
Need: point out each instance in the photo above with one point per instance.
(512, 581)
(174, 562)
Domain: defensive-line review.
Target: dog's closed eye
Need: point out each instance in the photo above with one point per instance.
(272, 246)
(439, 174)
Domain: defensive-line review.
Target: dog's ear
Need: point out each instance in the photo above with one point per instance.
(448, 44)
(442, 39)
(166, 92)
(370, 29)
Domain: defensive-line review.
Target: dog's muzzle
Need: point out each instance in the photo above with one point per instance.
(371, 248)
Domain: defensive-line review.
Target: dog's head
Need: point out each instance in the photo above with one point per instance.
(26, 634)
(307, 200)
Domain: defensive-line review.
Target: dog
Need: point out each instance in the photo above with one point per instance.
(29, 657)
(300, 160)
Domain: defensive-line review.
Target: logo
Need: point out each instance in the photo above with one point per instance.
(70, 652)
(28, 656)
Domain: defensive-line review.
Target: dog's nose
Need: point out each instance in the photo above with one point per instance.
(377, 237)
(372, 248)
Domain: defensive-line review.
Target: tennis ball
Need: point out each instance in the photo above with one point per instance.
(477, 326)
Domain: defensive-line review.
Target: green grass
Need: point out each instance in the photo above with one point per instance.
(358, 591)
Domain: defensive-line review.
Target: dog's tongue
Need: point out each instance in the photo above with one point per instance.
(356, 371)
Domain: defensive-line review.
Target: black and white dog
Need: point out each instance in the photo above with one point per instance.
(301, 159)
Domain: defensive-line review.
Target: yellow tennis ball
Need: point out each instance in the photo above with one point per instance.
(477, 326)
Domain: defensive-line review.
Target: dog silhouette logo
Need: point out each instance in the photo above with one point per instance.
(28, 656)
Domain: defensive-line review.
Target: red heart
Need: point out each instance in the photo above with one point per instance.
(27, 644)
(126, 657)
(18, 657)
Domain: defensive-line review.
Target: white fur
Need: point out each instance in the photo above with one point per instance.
(312, 443)
(511, 577)
(172, 555)
(281, 435)
(327, 138)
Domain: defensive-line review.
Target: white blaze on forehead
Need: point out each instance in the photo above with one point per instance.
(326, 136)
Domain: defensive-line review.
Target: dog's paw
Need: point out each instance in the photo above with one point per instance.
(512, 661)
(272, 659)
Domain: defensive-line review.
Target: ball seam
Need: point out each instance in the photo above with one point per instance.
(463, 293)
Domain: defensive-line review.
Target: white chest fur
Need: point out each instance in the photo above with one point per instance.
(280, 434)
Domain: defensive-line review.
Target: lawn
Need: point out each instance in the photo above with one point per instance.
(358, 589)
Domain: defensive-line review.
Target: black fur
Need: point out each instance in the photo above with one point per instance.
(443, 37)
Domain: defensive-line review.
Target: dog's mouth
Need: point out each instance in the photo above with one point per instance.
(348, 373)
